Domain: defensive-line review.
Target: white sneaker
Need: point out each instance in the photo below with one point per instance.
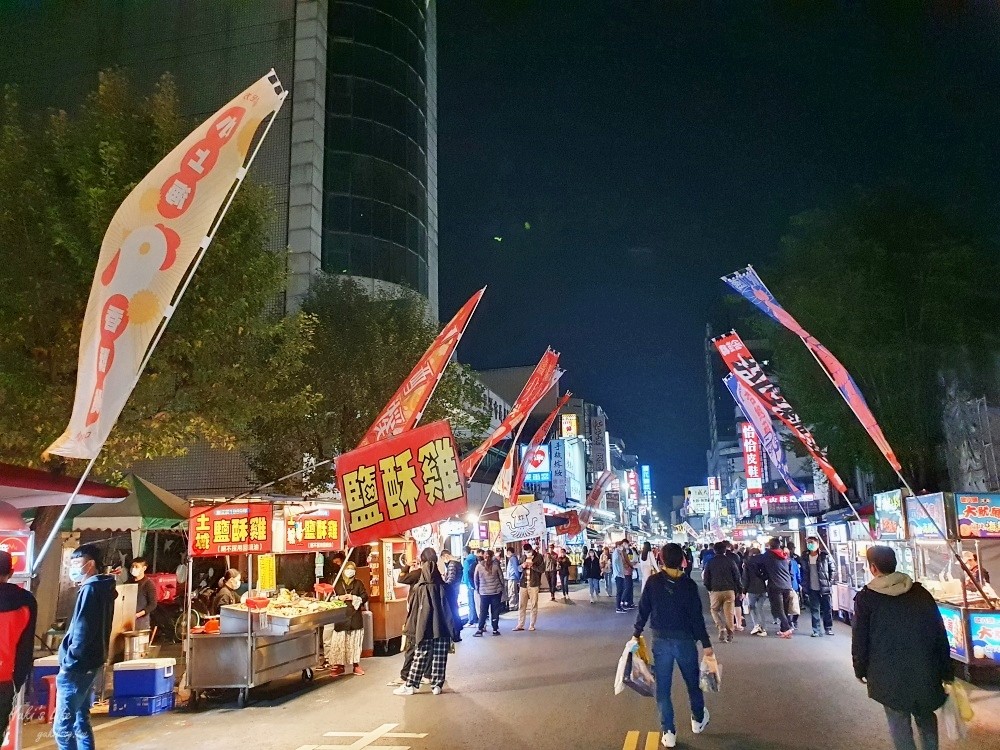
(669, 739)
(756, 629)
(407, 690)
(699, 726)
(436, 690)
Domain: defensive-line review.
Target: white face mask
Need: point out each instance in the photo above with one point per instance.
(234, 583)
(136, 572)
(348, 573)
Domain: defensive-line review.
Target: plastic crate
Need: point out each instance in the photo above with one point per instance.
(135, 705)
(144, 677)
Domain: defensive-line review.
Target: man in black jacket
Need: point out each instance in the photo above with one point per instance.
(775, 568)
(817, 582)
(18, 612)
(900, 649)
(722, 579)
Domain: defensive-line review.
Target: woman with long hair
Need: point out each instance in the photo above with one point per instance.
(647, 565)
(429, 625)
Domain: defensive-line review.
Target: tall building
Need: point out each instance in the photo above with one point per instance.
(351, 159)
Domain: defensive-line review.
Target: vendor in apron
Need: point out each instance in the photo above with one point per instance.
(145, 595)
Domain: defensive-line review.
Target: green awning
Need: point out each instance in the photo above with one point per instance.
(147, 508)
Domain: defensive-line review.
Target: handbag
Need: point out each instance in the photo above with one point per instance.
(793, 603)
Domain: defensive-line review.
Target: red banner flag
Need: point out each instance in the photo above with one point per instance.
(395, 485)
(572, 527)
(602, 482)
(545, 375)
(750, 285)
(741, 363)
(536, 440)
(404, 409)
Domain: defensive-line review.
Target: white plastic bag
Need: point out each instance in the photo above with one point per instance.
(950, 720)
(634, 672)
(711, 674)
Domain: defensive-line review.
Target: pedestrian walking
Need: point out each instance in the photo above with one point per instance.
(469, 564)
(409, 575)
(647, 565)
(551, 569)
(489, 582)
(722, 579)
(672, 606)
(18, 616)
(564, 574)
(817, 585)
(343, 642)
(84, 650)
(756, 590)
(618, 567)
(606, 570)
(513, 577)
(452, 575)
(795, 600)
(900, 650)
(631, 563)
(592, 572)
(429, 624)
(774, 567)
(739, 623)
(531, 581)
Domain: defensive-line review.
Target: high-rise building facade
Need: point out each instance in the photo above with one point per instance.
(351, 160)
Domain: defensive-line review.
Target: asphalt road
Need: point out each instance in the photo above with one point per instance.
(552, 690)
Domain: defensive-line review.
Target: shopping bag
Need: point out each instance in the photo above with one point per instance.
(950, 720)
(634, 672)
(745, 605)
(711, 674)
(960, 694)
(794, 608)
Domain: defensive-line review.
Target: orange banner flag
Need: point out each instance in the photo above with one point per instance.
(405, 408)
(536, 440)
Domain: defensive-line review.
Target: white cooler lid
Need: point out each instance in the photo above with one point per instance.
(137, 664)
(47, 661)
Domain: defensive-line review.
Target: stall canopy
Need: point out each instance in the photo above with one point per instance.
(147, 508)
(25, 488)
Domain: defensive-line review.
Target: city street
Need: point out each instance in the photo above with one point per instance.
(550, 690)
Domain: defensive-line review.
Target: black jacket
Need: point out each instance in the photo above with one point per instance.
(355, 620)
(824, 570)
(775, 569)
(722, 574)
(85, 646)
(18, 614)
(900, 645)
(591, 568)
(428, 612)
(532, 577)
(752, 581)
(673, 608)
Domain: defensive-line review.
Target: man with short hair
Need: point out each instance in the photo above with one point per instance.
(817, 585)
(551, 569)
(531, 581)
(900, 650)
(18, 613)
(84, 650)
(145, 595)
(672, 605)
(722, 579)
(468, 567)
(453, 579)
(775, 568)
(618, 563)
(512, 573)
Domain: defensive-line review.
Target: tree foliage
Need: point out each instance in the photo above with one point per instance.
(904, 297)
(227, 356)
(365, 345)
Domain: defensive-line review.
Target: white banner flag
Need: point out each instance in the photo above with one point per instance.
(521, 522)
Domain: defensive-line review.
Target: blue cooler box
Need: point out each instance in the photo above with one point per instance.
(44, 666)
(144, 678)
(141, 706)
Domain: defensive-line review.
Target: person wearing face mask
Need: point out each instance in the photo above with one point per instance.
(531, 581)
(84, 650)
(343, 646)
(429, 626)
(817, 584)
(231, 580)
(145, 595)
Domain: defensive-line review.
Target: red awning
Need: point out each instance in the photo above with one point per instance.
(31, 488)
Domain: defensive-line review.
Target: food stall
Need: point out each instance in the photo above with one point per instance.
(971, 523)
(890, 528)
(386, 598)
(848, 540)
(270, 634)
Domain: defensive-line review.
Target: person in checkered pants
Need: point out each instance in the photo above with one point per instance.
(429, 624)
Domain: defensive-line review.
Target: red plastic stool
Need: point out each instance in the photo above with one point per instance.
(50, 708)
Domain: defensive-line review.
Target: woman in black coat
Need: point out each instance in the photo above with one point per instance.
(429, 625)
(344, 641)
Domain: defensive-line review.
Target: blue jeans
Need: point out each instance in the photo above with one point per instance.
(666, 651)
(473, 617)
(595, 587)
(901, 729)
(72, 721)
(820, 604)
(607, 582)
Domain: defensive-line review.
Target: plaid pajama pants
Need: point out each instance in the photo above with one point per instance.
(435, 651)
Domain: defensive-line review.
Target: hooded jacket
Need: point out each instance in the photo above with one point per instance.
(18, 613)
(591, 568)
(85, 646)
(753, 583)
(673, 608)
(428, 612)
(775, 568)
(900, 646)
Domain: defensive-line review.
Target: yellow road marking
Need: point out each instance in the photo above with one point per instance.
(631, 741)
(652, 740)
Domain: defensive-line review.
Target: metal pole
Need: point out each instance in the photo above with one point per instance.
(62, 516)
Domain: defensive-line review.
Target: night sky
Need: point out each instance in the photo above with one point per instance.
(654, 146)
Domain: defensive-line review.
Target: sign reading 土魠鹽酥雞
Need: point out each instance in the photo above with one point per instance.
(394, 485)
(230, 528)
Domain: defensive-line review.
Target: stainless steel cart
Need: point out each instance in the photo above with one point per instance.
(245, 655)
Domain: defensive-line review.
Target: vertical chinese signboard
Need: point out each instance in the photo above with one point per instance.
(752, 459)
(394, 485)
(557, 461)
(569, 425)
(978, 515)
(229, 529)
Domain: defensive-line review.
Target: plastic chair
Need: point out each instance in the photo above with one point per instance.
(50, 687)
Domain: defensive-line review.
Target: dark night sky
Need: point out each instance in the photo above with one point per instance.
(654, 146)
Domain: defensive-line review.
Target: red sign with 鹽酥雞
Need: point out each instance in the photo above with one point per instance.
(316, 530)
(228, 529)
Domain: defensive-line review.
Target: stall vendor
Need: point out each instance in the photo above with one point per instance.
(231, 580)
(972, 563)
(145, 595)
(342, 643)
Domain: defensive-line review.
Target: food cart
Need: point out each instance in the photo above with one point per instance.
(849, 540)
(272, 634)
(971, 523)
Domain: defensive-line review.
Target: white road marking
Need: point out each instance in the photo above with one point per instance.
(366, 739)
